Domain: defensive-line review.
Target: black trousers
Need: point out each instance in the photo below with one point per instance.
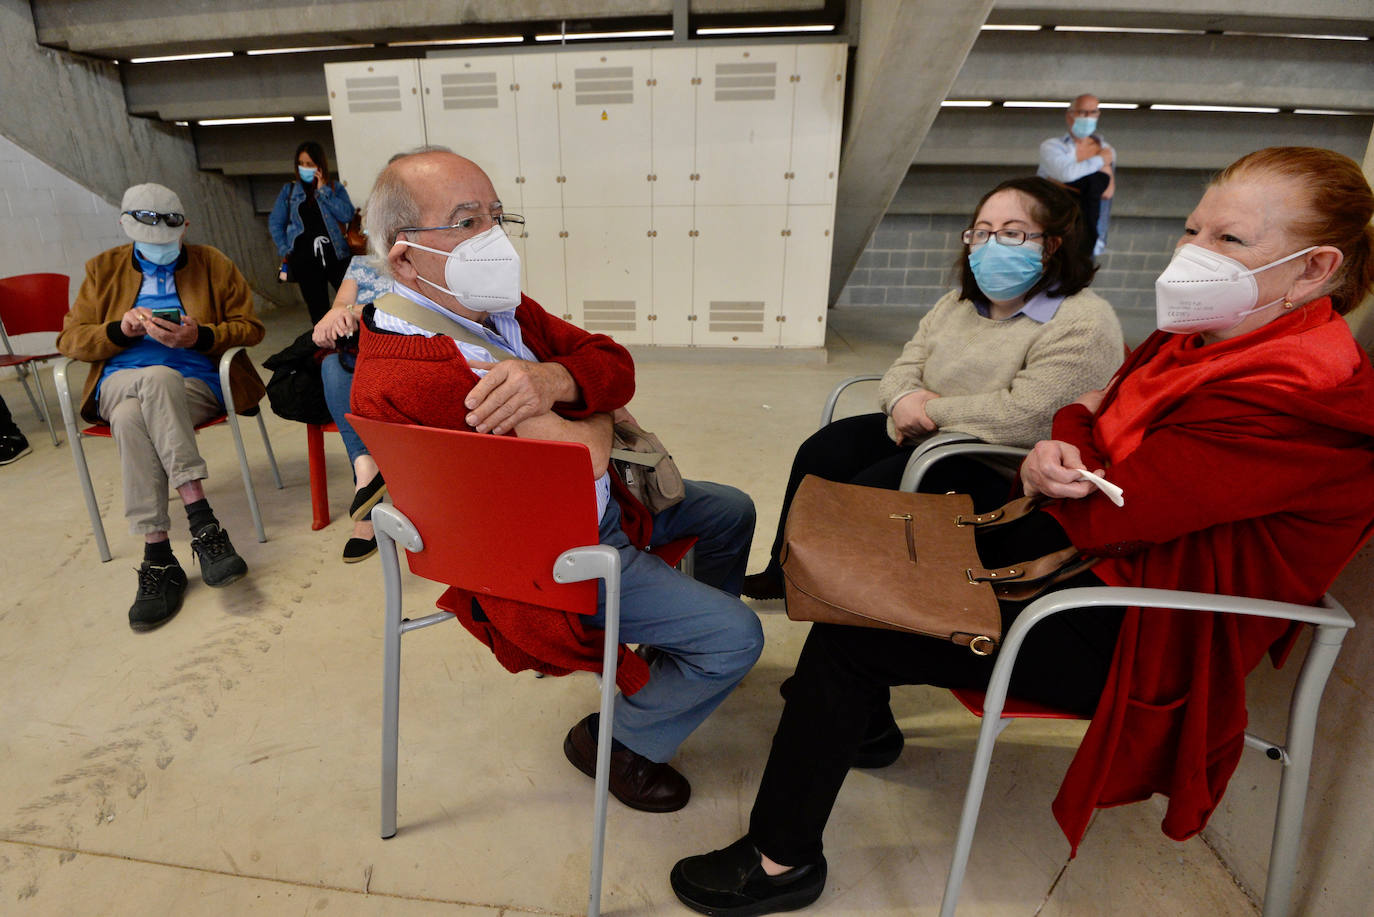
(7, 425)
(1089, 189)
(314, 278)
(857, 450)
(843, 677)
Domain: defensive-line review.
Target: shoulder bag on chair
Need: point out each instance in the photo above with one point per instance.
(872, 557)
(639, 457)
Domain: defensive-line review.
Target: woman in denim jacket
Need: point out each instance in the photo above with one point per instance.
(307, 225)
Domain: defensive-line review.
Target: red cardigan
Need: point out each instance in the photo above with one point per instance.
(1245, 480)
(414, 379)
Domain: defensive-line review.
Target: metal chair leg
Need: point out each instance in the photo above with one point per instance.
(1297, 765)
(391, 677)
(83, 473)
(271, 456)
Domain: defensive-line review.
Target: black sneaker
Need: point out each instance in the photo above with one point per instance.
(732, 883)
(159, 595)
(13, 448)
(220, 564)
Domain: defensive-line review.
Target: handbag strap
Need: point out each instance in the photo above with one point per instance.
(1024, 580)
(431, 321)
(1009, 512)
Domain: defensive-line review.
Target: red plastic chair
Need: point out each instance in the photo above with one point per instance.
(32, 304)
(533, 495)
(319, 476)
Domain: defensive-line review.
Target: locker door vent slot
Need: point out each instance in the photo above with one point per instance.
(735, 317)
(469, 90)
(604, 85)
(372, 93)
(609, 315)
(746, 82)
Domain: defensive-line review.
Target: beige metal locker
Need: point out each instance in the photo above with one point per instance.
(817, 113)
(470, 108)
(806, 275)
(375, 111)
(536, 118)
(543, 259)
(604, 128)
(610, 260)
(673, 249)
(743, 125)
(737, 275)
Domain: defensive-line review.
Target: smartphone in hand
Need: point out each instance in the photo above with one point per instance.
(170, 316)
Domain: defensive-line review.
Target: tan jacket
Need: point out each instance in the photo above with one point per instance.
(212, 291)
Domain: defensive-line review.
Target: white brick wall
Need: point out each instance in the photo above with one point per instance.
(48, 223)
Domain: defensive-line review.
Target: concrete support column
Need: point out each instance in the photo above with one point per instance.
(909, 53)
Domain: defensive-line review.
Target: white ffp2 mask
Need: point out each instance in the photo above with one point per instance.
(482, 273)
(1201, 290)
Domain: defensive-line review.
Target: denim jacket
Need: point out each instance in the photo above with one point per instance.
(285, 221)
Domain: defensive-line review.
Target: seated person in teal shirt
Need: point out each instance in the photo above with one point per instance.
(153, 318)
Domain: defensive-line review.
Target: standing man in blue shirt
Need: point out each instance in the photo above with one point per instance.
(1086, 163)
(152, 318)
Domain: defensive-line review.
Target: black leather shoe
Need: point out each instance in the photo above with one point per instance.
(765, 585)
(220, 564)
(635, 780)
(732, 882)
(366, 497)
(13, 447)
(160, 590)
(883, 742)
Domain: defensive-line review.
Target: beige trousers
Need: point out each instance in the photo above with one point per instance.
(153, 412)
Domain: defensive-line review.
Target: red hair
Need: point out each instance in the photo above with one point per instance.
(1339, 206)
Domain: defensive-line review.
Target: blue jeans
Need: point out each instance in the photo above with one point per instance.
(338, 386)
(709, 638)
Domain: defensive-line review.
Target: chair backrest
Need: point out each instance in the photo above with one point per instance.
(31, 303)
(494, 512)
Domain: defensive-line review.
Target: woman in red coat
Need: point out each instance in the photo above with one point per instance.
(1242, 436)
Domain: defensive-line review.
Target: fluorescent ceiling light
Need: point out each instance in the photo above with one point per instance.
(966, 103)
(1125, 105)
(215, 122)
(1013, 104)
(582, 36)
(1296, 35)
(1108, 28)
(493, 40)
(754, 29)
(1322, 111)
(318, 118)
(206, 55)
(1009, 28)
(1265, 110)
(256, 52)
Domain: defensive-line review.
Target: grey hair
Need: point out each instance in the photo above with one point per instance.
(391, 205)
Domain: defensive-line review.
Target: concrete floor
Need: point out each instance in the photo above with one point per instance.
(228, 762)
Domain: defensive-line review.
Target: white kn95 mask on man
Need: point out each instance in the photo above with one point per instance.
(1201, 290)
(482, 273)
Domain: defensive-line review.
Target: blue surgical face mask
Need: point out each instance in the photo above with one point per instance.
(158, 252)
(307, 174)
(1083, 127)
(1005, 272)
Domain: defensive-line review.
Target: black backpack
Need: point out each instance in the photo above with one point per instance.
(296, 391)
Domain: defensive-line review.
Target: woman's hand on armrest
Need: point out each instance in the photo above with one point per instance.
(1052, 469)
(909, 415)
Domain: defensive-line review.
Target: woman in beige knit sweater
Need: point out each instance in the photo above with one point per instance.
(1020, 338)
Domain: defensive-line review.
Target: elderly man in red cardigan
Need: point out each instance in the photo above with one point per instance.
(493, 361)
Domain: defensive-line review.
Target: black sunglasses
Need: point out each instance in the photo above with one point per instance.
(152, 217)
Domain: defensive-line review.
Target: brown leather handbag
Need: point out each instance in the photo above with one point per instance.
(354, 235)
(871, 557)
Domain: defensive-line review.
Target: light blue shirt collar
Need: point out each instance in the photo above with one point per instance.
(1039, 308)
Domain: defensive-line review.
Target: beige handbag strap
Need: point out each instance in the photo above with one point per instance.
(431, 321)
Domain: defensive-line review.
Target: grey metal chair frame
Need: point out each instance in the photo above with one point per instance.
(71, 422)
(573, 565)
(40, 403)
(1331, 621)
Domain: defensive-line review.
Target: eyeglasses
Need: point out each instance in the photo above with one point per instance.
(512, 223)
(152, 217)
(1004, 236)
(1086, 112)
